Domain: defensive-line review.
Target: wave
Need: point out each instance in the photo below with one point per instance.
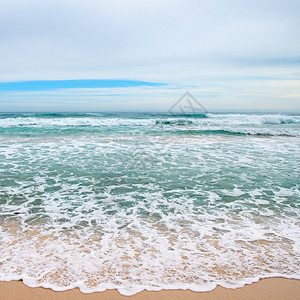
(198, 116)
(210, 132)
(212, 124)
(234, 133)
(71, 121)
(256, 119)
(180, 122)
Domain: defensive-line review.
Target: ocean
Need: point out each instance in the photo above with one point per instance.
(134, 201)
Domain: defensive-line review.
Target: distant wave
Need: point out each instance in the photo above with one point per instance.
(71, 121)
(200, 116)
(233, 132)
(209, 132)
(211, 124)
(256, 119)
(180, 122)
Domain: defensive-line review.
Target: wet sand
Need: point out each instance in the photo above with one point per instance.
(265, 289)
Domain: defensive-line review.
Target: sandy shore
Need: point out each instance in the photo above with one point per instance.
(265, 289)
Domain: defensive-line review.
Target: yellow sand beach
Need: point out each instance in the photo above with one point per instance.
(265, 289)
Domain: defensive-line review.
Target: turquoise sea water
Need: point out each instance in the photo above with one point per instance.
(148, 201)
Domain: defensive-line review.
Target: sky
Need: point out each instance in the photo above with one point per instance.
(91, 55)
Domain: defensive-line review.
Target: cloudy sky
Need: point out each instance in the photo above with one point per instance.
(143, 55)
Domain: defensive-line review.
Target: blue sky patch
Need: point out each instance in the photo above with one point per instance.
(45, 85)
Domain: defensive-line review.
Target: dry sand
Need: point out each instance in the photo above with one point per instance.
(265, 289)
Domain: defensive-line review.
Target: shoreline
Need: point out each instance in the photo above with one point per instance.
(266, 289)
